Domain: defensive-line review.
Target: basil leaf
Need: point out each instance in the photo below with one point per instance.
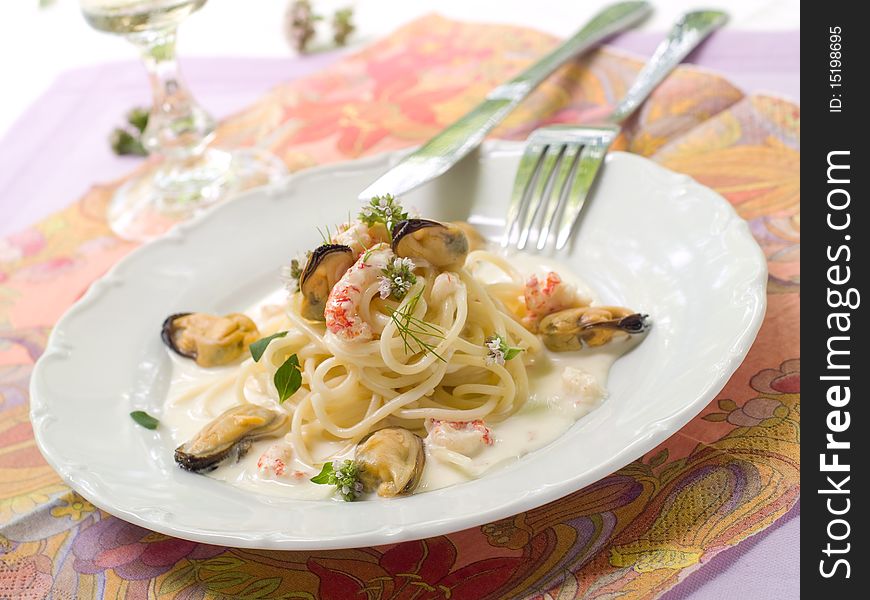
(288, 378)
(512, 353)
(258, 347)
(144, 419)
(325, 476)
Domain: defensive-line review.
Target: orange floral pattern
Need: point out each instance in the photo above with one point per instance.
(728, 474)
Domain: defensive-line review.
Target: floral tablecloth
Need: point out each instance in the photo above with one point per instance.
(728, 474)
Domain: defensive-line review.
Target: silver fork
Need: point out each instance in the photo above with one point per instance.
(561, 162)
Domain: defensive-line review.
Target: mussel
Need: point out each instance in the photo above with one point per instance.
(590, 326)
(390, 461)
(324, 268)
(476, 241)
(230, 436)
(210, 340)
(443, 245)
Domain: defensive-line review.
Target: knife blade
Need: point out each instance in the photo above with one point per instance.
(447, 148)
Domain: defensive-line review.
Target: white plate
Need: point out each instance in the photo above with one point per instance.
(650, 239)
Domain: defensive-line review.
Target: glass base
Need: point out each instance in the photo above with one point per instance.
(148, 205)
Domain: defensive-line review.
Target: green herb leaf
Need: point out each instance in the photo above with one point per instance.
(326, 475)
(259, 347)
(345, 479)
(497, 350)
(288, 378)
(144, 419)
(512, 352)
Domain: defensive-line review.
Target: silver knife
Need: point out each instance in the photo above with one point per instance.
(444, 150)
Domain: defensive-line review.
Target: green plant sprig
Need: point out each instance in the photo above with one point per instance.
(411, 328)
(344, 476)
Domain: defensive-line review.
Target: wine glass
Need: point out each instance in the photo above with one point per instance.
(191, 174)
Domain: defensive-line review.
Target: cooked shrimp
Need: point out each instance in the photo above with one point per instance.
(463, 437)
(342, 306)
(554, 295)
(272, 464)
(359, 236)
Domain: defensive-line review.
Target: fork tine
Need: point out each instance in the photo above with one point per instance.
(587, 169)
(562, 185)
(527, 174)
(540, 193)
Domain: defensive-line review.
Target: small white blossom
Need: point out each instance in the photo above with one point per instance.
(403, 263)
(385, 287)
(494, 353)
(397, 279)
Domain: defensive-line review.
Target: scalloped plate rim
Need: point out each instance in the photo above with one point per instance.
(654, 434)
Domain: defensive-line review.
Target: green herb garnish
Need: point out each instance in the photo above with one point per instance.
(259, 347)
(383, 209)
(288, 378)
(497, 350)
(344, 476)
(144, 419)
(397, 279)
(291, 274)
(411, 329)
(325, 234)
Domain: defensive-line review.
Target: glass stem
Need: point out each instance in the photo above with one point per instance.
(178, 128)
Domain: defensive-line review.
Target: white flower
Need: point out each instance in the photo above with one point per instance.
(403, 263)
(385, 287)
(495, 351)
(397, 279)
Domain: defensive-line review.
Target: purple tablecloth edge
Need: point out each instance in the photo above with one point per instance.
(756, 61)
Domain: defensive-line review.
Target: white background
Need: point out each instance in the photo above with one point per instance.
(37, 44)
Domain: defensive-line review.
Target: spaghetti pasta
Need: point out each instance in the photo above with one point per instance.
(350, 387)
(395, 332)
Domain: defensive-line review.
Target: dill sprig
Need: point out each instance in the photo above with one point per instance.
(326, 235)
(412, 329)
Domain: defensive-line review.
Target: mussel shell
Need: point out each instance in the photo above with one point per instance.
(369, 471)
(634, 323)
(454, 242)
(318, 255)
(196, 339)
(167, 333)
(202, 453)
(571, 329)
(315, 290)
(408, 226)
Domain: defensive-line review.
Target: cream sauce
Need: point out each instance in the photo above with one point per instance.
(548, 413)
